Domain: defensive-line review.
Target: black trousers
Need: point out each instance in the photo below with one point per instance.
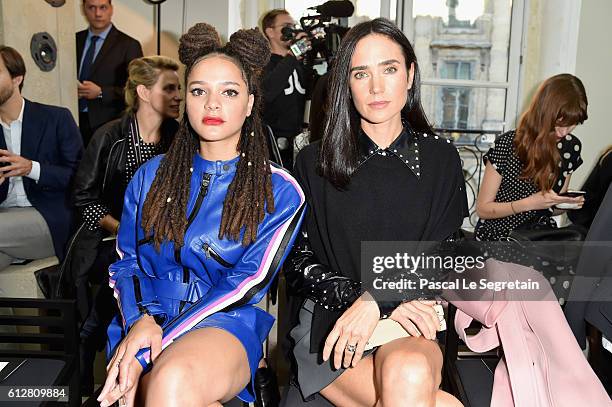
(87, 263)
(86, 130)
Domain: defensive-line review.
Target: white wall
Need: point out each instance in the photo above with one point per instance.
(594, 68)
(550, 41)
(572, 36)
(19, 20)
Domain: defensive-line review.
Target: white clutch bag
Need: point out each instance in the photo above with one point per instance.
(388, 330)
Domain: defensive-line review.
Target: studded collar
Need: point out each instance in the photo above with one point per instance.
(405, 148)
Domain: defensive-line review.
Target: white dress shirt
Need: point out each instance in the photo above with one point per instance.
(12, 136)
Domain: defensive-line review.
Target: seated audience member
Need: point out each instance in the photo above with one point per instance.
(595, 186)
(529, 168)
(204, 230)
(39, 153)
(117, 150)
(380, 162)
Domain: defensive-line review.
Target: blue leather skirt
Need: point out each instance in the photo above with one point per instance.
(249, 324)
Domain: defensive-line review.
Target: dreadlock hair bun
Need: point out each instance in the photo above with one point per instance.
(199, 40)
(252, 48)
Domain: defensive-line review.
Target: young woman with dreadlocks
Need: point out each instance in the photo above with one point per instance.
(204, 230)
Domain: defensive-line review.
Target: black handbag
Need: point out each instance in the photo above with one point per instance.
(545, 230)
(552, 250)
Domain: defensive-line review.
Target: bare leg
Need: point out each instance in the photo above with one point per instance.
(204, 367)
(404, 372)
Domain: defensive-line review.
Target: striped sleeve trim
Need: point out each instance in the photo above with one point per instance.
(252, 284)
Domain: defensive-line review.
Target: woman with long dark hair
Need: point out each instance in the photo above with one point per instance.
(379, 174)
(204, 230)
(529, 168)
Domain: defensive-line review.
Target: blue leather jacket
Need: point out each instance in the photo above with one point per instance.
(183, 286)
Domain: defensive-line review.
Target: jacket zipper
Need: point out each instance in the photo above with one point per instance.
(203, 191)
(177, 252)
(210, 252)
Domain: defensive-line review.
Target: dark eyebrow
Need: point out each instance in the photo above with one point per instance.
(363, 67)
(204, 82)
(359, 68)
(389, 62)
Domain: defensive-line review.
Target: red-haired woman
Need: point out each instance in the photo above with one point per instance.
(528, 168)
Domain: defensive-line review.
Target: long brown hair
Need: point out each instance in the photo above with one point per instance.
(164, 212)
(559, 101)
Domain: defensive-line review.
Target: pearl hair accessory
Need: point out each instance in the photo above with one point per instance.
(169, 200)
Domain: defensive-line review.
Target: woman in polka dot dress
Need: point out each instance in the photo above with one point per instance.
(116, 151)
(528, 168)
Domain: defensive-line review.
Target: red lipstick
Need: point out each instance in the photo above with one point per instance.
(213, 121)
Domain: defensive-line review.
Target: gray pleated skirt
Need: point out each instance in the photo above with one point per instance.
(313, 374)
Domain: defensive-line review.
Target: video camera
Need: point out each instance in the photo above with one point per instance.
(323, 35)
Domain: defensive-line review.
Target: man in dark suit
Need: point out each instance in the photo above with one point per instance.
(103, 55)
(40, 148)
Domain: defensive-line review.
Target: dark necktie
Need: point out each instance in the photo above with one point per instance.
(86, 68)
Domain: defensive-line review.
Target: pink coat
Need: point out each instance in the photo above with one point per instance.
(542, 365)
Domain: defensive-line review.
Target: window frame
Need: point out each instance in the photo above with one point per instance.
(512, 86)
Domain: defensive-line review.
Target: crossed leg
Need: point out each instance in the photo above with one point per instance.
(403, 372)
(205, 367)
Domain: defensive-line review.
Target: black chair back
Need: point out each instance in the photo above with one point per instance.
(466, 374)
(274, 151)
(52, 357)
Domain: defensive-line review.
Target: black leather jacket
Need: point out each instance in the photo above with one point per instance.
(101, 174)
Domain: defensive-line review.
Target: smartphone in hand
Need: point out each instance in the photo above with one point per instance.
(573, 194)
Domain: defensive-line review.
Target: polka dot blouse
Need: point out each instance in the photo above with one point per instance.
(97, 210)
(503, 158)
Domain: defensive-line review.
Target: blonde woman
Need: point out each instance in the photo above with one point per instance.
(116, 151)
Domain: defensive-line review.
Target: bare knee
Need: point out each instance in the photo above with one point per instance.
(169, 379)
(410, 369)
(178, 381)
